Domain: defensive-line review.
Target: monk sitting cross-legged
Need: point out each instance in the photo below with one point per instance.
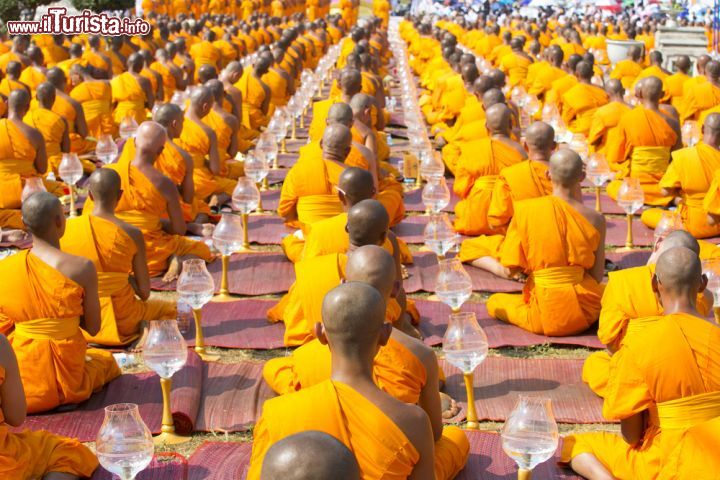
(702, 96)
(391, 439)
(563, 256)
(151, 202)
(256, 95)
(661, 383)
(309, 455)
(646, 136)
(477, 171)
(604, 133)
(520, 181)
(225, 125)
(200, 141)
(689, 177)
(51, 296)
(52, 126)
(131, 92)
(95, 97)
(33, 454)
(117, 249)
(582, 100)
(627, 300)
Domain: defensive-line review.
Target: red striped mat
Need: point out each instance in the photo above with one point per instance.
(412, 227)
(141, 388)
(164, 466)
(607, 204)
(220, 461)
(258, 273)
(617, 232)
(413, 199)
(500, 380)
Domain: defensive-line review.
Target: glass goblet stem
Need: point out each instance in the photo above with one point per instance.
(524, 474)
(283, 149)
(598, 208)
(629, 238)
(294, 129)
(246, 236)
(199, 338)
(224, 291)
(472, 418)
(168, 425)
(73, 213)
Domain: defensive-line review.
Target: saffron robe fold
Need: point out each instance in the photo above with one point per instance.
(578, 105)
(560, 297)
(603, 134)
(130, 98)
(96, 100)
(44, 308)
(253, 96)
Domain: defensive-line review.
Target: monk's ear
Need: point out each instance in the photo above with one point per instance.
(320, 333)
(91, 196)
(385, 333)
(703, 283)
(656, 283)
(383, 238)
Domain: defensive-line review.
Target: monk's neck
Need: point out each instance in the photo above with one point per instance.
(500, 135)
(538, 157)
(573, 194)
(103, 211)
(14, 116)
(650, 105)
(352, 369)
(679, 305)
(41, 245)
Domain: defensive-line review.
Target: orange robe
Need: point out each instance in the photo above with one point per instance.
(603, 134)
(695, 456)
(228, 166)
(643, 151)
(168, 79)
(130, 98)
(626, 71)
(543, 80)
(7, 85)
(112, 251)
(560, 297)
(143, 205)
(96, 100)
(521, 181)
(278, 87)
(195, 141)
(578, 105)
(204, 53)
(32, 77)
(691, 170)
(44, 307)
(674, 84)
(52, 127)
(34, 454)
(253, 96)
(480, 163)
(699, 97)
(382, 449)
(515, 67)
(677, 386)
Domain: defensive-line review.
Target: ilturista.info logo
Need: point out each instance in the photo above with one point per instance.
(57, 22)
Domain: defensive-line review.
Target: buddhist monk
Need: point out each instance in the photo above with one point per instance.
(95, 98)
(256, 95)
(695, 454)
(354, 327)
(655, 69)
(151, 202)
(172, 75)
(627, 300)
(230, 75)
(204, 52)
(117, 249)
(656, 393)
(480, 163)
(675, 83)
(563, 256)
(71, 110)
(53, 295)
(225, 125)
(544, 78)
(201, 142)
(689, 177)
(34, 74)
(603, 134)
(563, 84)
(101, 64)
(309, 455)
(52, 126)
(279, 81)
(520, 181)
(582, 100)
(627, 70)
(12, 79)
(131, 92)
(646, 136)
(350, 85)
(76, 56)
(156, 80)
(703, 96)
(515, 64)
(307, 193)
(17, 53)
(34, 454)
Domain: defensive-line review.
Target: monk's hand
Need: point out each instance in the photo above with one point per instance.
(404, 272)
(449, 406)
(440, 142)
(519, 277)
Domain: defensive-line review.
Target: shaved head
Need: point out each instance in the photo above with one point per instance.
(206, 73)
(373, 265)
(350, 82)
(680, 238)
(19, 100)
(45, 94)
(356, 185)
(150, 139)
(540, 136)
(217, 89)
(702, 60)
(498, 77)
(584, 70)
(360, 103)
(566, 168)
(39, 211)
(712, 70)
(336, 142)
(683, 63)
(340, 113)
(309, 455)
(353, 315)
(614, 88)
(104, 185)
(166, 113)
(651, 89)
(679, 273)
(497, 118)
(493, 97)
(368, 223)
(201, 99)
(482, 84)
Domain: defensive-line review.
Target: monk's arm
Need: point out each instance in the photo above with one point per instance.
(80, 123)
(65, 142)
(287, 208)
(87, 277)
(14, 404)
(40, 152)
(187, 187)
(598, 269)
(419, 432)
(633, 428)
(161, 87)
(430, 394)
(149, 95)
(233, 147)
(175, 224)
(177, 74)
(140, 279)
(213, 154)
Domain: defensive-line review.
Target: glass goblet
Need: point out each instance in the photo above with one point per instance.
(436, 195)
(453, 284)
(70, 171)
(245, 199)
(630, 198)
(439, 235)
(195, 287)
(124, 444)
(227, 239)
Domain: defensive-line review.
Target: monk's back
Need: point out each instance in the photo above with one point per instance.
(139, 192)
(644, 127)
(381, 448)
(15, 148)
(106, 244)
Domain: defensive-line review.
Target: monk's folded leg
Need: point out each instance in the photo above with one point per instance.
(225, 185)
(451, 156)
(293, 247)
(278, 374)
(651, 217)
(406, 257)
(613, 188)
(56, 188)
(451, 453)
(596, 370)
(511, 308)
(35, 454)
(482, 246)
(235, 169)
(159, 309)
(101, 368)
(623, 460)
(277, 311)
(10, 218)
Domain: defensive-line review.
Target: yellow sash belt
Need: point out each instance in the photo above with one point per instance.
(650, 159)
(17, 166)
(312, 208)
(687, 412)
(554, 277)
(693, 201)
(109, 283)
(136, 105)
(142, 220)
(48, 328)
(97, 106)
(485, 183)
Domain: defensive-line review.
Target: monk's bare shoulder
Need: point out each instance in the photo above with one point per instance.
(143, 82)
(595, 218)
(78, 269)
(230, 119)
(421, 351)
(32, 134)
(208, 131)
(133, 232)
(75, 104)
(187, 158)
